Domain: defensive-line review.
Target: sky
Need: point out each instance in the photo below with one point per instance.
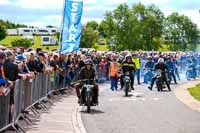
(49, 12)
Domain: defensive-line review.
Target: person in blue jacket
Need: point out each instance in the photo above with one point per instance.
(171, 69)
(149, 68)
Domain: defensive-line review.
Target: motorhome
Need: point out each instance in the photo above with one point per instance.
(25, 31)
(41, 31)
(12, 32)
(52, 31)
(49, 40)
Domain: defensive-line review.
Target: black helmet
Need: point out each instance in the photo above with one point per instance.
(88, 62)
(128, 57)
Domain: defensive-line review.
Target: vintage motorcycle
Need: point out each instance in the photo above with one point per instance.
(87, 94)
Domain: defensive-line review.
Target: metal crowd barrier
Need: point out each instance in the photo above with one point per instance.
(26, 94)
(4, 111)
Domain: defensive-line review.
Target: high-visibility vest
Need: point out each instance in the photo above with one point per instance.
(137, 62)
(114, 69)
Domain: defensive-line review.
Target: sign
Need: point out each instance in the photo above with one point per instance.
(71, 27)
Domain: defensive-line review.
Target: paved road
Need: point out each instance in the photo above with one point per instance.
(152, 113)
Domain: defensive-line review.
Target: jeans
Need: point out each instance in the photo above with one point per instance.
(114, 83)
(177, 74)
(148, 77)
(138, 75)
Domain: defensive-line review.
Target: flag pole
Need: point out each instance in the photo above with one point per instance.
(62, 25)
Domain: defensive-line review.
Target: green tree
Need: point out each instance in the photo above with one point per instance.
(180, 32)
(134, 28)
(9, 25)
(92, 24)
(2, 32)
(22, 43)
(89, 37)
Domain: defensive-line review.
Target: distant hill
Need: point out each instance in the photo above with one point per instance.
(10, 25)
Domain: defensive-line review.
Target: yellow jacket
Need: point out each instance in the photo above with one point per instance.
(137, 62)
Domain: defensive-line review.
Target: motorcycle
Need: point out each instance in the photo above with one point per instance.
(127, 83)
(190, 72)
(87, 94)
(159, 80)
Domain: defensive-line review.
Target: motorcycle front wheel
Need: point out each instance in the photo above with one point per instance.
(88, 102)
(126, 90)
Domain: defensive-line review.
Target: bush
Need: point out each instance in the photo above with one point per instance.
(22, 43)
(2, 32)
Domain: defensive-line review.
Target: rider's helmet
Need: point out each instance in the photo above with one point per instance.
(160, 60)
(88, 62)
(128, 56)
(149, 58)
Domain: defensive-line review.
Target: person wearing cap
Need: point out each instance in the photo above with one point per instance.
(87, 72)
(163, 67)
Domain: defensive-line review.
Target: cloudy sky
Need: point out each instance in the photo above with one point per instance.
(48, 12)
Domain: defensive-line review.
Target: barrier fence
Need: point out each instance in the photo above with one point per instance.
(28, 93)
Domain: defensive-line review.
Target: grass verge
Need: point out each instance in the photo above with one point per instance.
(195, 92)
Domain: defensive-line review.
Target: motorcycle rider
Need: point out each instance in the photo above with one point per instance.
(163, 67)
(87, 72)
(171, 69)
(128, 66)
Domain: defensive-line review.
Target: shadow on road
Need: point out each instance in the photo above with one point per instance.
(129, 95)
(93, 112)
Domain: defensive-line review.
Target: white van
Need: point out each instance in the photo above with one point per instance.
(49, 40)
(41, 31)
(12, 32)
(25, 31)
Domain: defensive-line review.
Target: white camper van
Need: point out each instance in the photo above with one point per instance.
(12, 32)
(52, 31)
(41, 31)
(49, 40)
(25, 31)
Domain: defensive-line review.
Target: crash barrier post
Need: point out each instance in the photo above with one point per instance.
(4, 111)
(27, 93)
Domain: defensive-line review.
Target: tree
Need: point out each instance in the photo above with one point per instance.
(180, 32)
(2, 32)
(9, 25)
(89, 37)
(134, 28)
(92, 24)
(22, 43)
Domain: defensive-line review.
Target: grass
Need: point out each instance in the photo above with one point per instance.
(7, 41)
(38, 43)
(101, 47)
(195, 92)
